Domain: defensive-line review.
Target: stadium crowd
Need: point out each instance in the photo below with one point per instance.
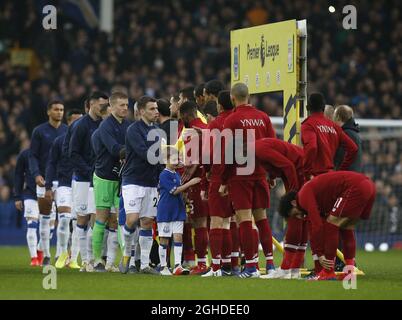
(155, 50)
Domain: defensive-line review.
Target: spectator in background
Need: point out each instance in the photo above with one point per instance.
(8, 211)
(343, 116)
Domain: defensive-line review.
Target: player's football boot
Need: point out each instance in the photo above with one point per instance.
(149, 270)
(165, 272)
(277, 274)
(111, 268)
(99, 267)
(199, 269)
(188, 264)
(212, 273)
(132, 270)
(311, 276)
(295, 274)
(35, 262)
(236, 271)
(39, 255)
(73, 265)
(326, 275)
(61, 261)
(180, 271)
(226, 272)
(124, 264)
(339, 265)
(46, 261)
(250, 273)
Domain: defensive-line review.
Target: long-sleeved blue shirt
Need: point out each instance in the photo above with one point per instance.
(107, 142)
(137, 169)
(80, 150)
(58, 166)
(41, 142)
(24, 182)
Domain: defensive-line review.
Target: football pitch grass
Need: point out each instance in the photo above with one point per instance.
(383, 280)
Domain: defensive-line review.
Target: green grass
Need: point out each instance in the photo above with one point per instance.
(383, 280)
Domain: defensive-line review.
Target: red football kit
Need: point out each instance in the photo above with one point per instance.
(285, 160)
(338, 193)
(248, 191)
(321, 138)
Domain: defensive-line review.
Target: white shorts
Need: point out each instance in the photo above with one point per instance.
(63, 197)
(166, 229)
(83, 198)
(40, 191)
(31, 209)
(142, 200)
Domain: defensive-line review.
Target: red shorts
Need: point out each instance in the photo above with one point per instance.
(249, 194)
(200, 208)
(218, 206)
(356, 202)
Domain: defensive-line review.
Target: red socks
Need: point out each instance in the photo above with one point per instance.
(201, 244)
(215, 244)
(188, 251)
(234, 230)
(331, 240)
(348, 246)
(265, 234)
(247, 242)
(226, 248)
(256, 243)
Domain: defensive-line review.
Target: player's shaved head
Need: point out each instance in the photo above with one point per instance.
(329, 112)
(343, 113)
(240, 92)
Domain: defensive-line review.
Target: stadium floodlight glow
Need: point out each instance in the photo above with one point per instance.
(369, 247)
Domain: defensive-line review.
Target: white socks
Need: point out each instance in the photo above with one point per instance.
(44, 231)
(112, 246)
(82, 235)
(63, 231)
(32, 238)
(162, 255)
(178, 250)
(128, 236)
(145, 241)
(75, 246)
(89, 251)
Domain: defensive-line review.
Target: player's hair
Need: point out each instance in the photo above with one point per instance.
(142, 101)
(71, 112)
(188, 93)
(240, 91)
(97, 95)
(189, 107)
(117, 95)
(285, 204)
(214, 87)
(224, 100)
(211, 108)
(52, 103)
(316, 102)
(163, 107)
(199, 90)
(119, 88)
(343, 113)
